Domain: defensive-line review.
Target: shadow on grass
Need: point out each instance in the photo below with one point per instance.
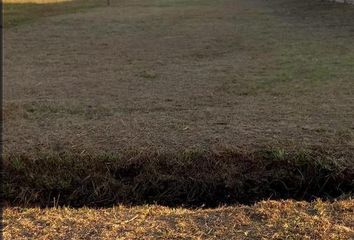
(189, 179)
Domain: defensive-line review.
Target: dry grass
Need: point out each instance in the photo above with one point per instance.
(264, 220)
(181, 74)
(155, 75)
(35, 1)
(19, 12)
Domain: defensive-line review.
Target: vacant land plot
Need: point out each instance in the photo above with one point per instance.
(179, 102)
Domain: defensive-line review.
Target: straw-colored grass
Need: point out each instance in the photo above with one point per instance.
(264, 220)
(35, 1)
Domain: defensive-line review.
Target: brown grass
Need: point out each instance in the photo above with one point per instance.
(19, 12)
(248, 75)
(176, 75)
(35, 1)
(165, 76)
(265, 220)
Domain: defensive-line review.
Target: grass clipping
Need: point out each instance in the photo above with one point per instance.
(187, 178)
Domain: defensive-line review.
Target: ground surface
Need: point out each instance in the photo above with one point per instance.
(181, 74)
(174, 75)
(265, 220)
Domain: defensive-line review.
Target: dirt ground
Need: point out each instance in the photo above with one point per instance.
(182, 74)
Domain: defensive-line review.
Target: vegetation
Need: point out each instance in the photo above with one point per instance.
(18, 12)
(189, 178)
(191, 104)
(264, 220)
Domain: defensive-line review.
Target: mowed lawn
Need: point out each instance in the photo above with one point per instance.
(84, 79)
(171, 75)
(17, 12)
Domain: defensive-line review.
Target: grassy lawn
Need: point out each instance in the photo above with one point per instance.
(20, 12)
(161, 78)
(248, 75)
(179, 103)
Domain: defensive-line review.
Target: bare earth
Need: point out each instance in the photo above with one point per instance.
(182, 74)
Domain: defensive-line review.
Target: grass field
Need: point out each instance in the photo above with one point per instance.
(17, 12)
(180, 103)
(181, 74)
